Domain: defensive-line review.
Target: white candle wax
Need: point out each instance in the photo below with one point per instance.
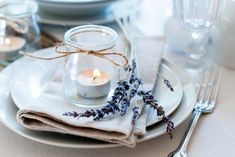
(93, 83)
(12, 44)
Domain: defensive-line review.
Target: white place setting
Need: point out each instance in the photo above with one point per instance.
(116, 78)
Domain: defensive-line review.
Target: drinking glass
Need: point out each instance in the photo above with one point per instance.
(196, 16)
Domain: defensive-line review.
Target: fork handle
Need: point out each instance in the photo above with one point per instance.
(182, 148)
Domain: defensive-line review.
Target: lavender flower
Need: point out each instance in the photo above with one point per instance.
(124, 105)
(152, 102)
(170, 126)
(73, 114)
(136, 114)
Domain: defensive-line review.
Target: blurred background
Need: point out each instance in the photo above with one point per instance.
(46, 22)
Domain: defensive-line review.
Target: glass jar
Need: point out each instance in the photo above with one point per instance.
(89, 80)
(18, 28)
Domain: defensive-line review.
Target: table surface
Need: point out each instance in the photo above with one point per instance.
(213, 136)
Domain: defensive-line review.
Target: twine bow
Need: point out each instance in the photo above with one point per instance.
(19, 25)
(99, 53)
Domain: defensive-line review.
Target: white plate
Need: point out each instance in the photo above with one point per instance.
(8, 111)
(32, 82)
(73, 8)
(103, 18)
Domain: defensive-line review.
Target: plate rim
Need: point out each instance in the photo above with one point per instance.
(106, 145)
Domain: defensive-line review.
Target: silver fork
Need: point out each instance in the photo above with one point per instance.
(206, 99)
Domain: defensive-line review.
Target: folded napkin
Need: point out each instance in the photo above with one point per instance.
(46, 113)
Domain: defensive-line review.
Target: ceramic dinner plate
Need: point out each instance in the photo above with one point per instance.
(8, 110)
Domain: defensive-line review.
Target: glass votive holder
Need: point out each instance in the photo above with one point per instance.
(18, 28)
(89, 79)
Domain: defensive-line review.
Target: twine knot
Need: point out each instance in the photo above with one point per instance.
(90, 52)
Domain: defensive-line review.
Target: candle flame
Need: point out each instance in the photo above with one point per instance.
(8, 41)
(96, 73)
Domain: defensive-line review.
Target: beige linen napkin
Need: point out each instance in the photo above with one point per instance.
(46, 113)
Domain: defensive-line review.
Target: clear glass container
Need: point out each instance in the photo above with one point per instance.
(89, 80)
(18, 28)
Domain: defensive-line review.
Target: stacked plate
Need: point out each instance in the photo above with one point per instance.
(15, 94)
(74, 12)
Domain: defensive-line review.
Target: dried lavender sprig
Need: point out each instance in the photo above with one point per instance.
(73, 114)
(135, 83)
(152, 102)
(111, 107)
(124, 106)
(136, 114)
(166, 82)
(170, 125)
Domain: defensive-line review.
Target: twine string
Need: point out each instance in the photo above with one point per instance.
(99, 53)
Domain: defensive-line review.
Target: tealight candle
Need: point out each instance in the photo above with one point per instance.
(93, 83)
(10, 46)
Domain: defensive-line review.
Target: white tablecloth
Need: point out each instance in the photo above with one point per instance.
(214, 136)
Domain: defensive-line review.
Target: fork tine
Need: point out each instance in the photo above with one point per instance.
(205, 87)
(201, 85)
(216, 87)
(210, 86)
(213, 84)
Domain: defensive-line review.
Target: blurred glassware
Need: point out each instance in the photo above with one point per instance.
(18, 28)
(196, 16)
(223, 39)
(177, 38)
